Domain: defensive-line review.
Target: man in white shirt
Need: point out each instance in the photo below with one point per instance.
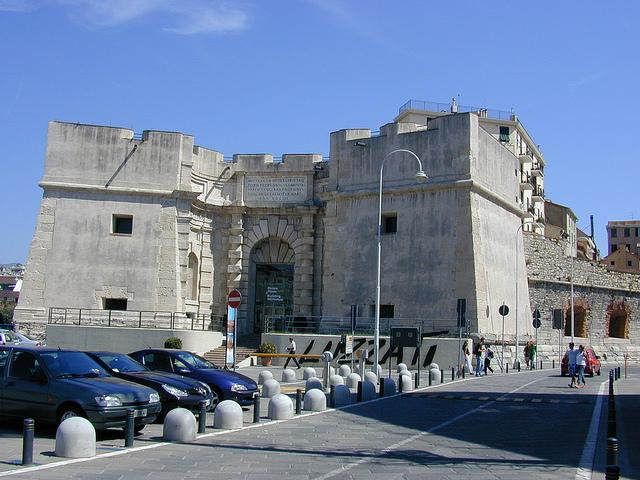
(291, 349)
(572, 353)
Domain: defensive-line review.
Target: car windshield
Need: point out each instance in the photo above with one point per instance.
(63, 364)
(194, 361)
(121, 363)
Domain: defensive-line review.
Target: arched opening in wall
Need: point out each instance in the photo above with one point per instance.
(580, 328)
(271, 283)
(618, 320)
(192, 276)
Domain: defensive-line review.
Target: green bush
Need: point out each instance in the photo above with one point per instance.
(267, 348)
(173, 342)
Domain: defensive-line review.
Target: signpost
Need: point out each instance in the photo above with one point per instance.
(536, 324)
(504, 311)
(558, 324)
(461, 308)
(233, 302)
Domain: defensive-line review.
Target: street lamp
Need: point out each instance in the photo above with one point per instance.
(517, 360)
(420, 176)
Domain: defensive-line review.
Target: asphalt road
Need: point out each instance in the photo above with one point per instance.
(527, 425)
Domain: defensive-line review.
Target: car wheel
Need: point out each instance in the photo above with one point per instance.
(70, 411)
(138, 428)
(598, 372)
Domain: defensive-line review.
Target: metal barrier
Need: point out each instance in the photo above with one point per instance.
(134, 319)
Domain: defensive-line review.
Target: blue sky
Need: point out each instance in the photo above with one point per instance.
(277, 76)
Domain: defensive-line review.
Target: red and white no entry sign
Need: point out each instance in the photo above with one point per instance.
(233, 299)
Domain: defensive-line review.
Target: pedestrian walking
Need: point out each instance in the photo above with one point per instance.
(488, 355)
(479, 352)
(525, 351)
(291, 349)
(533, 354)
(581, 363)
(571, 360)
(467, 357)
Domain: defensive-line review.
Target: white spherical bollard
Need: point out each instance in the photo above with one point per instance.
(342, 395)
(434, 365)
(344, 371)
(270, 388)
(389, 386)
(332, 371)
(228, 415)
(288, 375)
(407, 383)
(352, 380)
(435, 375)
(76, 438)
(401, 367)
(371, 377)
(336, 380)
(280, 407)
(263, 376)
(179, 426)
(368, 391)
(315, 400)
(308, 373)
(406, 373)
(313, 383)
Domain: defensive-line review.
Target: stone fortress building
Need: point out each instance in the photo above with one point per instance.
(154, 223)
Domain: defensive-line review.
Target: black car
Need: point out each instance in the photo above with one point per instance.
(174, 390)
(52, 385)
(226, 384)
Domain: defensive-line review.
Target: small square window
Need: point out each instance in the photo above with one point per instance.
(390, 223)
(386, 311)
(614, 232)
(629, 263)
(115, 303)
(614, 247)
(613, 263)
(637, 231)
(627, 232)
(504, 134)
(122, 224)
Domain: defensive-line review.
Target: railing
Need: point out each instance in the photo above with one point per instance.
(363, 325)
(134, 319)
(446, 108)
(538, 191)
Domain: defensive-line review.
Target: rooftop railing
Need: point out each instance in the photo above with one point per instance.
(446, 108)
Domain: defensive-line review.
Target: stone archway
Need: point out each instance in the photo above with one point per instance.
(581, 313)
(617, 320)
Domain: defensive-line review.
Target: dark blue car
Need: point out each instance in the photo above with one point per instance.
(226, 384)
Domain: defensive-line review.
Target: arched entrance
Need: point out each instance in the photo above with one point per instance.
(579, 319)
(618, 320)
(271, 277)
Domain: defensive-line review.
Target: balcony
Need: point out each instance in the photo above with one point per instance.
(525, 158)
(537, 170)
(538, 192)
(526, 182)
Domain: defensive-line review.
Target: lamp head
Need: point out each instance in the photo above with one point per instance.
(421, 176)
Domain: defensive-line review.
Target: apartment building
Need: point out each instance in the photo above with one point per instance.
(624, 235)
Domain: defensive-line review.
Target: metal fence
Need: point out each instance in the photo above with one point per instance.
(446, 107)
(134, 319)
(363, 325)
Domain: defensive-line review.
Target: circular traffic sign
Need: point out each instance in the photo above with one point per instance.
(233, 299)
(503, 310)
(536, 323)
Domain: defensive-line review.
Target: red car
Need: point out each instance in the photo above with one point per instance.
(592, 367)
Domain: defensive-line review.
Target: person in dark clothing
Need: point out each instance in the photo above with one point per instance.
(488, 355)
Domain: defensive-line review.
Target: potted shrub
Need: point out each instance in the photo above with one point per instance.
(266, 348)
(173, 342)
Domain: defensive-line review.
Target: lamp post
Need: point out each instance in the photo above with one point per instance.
(517, 360)
(420, 176)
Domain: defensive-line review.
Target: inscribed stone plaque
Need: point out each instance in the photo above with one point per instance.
(275, 189)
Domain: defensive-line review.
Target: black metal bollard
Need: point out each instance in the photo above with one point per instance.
(359, 391)
(381, 387)
(540, 364)
(417, 380)
(507, 368)
(453, 374)
(399, 383)
(202, 417)
(553, 364)
(612, 473)
(27, 441)
(298, 401)
(618, 371)
(128, 428)
(612, 451)
(441, 376)
(332, 396)
(462, 372)
(430, 378)
(256, 408)
(518, 366)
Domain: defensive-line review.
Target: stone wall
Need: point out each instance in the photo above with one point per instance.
(601, 297)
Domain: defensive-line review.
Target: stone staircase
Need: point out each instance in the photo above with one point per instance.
(217, 356)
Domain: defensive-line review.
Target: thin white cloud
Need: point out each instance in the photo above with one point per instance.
(15, 5)
(185, 17)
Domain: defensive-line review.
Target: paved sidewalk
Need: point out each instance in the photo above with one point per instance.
(627, 394)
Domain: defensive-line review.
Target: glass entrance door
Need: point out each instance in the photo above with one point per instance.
(274, 292)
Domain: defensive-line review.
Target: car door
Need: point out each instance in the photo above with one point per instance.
(4, 362)
(157, 361)
(26, 388)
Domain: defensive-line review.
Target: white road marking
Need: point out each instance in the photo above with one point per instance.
(585, 467)
(341, 470)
